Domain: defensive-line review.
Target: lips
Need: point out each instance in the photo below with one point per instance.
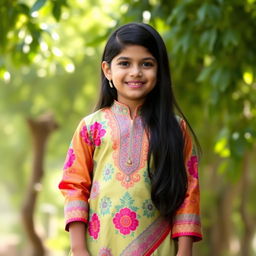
(135, 84)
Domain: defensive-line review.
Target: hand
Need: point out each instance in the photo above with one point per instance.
(81, 252)
(184, 254)
(184, 246)
(78, 244)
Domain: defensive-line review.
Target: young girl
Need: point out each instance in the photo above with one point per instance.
(130, 179)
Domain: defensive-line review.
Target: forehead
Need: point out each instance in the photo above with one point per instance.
(134, 52)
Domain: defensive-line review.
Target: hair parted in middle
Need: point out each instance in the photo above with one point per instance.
(166, 141)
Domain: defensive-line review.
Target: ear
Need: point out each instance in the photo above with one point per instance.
(106, 69)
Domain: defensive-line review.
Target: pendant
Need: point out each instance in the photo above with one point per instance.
(129, 162)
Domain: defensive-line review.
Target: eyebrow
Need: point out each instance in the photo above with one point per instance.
(127, 58)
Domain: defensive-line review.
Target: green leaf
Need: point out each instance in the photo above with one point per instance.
(208, 39)
(178, 14)
(205, 74)
(37, 5)
(208, 11)
(56, 11)
(23, 8)
(202, 12)
(221, 78)
(231, 38)
(185, 42)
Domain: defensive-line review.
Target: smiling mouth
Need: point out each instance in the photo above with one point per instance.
(135, 84)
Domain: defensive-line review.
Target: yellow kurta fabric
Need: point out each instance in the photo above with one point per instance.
(106, 185)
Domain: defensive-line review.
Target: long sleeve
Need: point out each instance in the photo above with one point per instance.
(76, 181)
(187, 219)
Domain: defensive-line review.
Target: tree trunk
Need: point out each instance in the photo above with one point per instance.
(40, 129)
(218, 233)
(221, 229)
(223, 224)
(246, 218)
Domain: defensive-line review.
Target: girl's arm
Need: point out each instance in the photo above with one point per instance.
(185, 246)
(186, 221)
(75, 186)
(77, 239)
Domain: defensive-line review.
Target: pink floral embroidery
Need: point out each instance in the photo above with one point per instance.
(94, 226)
(126, 221)
(85, 135)
(93, 137)
(95, 189)
(105, 252)
(97, 133)
(70, 159)
(192, 167)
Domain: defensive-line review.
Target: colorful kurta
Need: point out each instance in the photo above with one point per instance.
(106, 185)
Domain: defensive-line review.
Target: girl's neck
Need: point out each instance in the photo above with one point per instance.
(133, 107)
(133, 110)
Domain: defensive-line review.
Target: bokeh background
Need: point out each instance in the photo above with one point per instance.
(50, 52)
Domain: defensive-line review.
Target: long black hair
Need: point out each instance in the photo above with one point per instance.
(166, 140)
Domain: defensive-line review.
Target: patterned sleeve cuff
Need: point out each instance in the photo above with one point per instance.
(76, 211)
(187, 225)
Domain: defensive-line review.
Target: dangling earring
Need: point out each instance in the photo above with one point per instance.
(110, 84)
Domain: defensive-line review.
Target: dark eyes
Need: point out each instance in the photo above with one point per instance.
(148, 64)
(145, 64)
(123, 63)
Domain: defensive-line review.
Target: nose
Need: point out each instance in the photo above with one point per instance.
(136, 70)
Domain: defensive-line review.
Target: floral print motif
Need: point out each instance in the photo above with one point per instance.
(95, 189)
(107, 172)
(192, 166)
(105, 204)
(94, 226)
(70, 159)
(105, 252)
(126, 221)
(97, 133)
(126, 201)
(94, 135)
(148, 208)
(85, 135)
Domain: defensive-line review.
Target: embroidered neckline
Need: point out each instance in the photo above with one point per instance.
(122, 109)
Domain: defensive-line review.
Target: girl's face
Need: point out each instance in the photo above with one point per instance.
(133, 72)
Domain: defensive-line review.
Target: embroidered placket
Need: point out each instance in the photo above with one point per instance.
(129, 160)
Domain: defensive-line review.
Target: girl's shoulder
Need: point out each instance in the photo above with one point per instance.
(97, 116)
(184, 127)
(191, 146)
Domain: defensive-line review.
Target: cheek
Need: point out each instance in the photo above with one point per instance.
(117, 75)
(153, 77)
